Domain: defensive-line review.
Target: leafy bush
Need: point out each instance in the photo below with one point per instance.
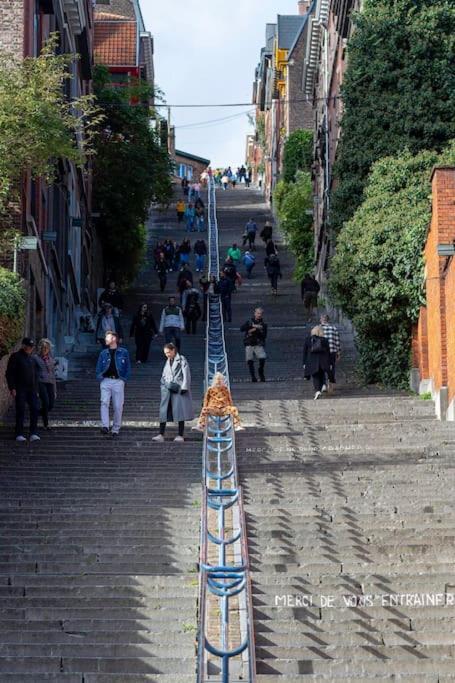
(132, 169)
(12, 310)
(298, 154)
(38, 125)
(377, 273)
(398, 92)
(292, 201)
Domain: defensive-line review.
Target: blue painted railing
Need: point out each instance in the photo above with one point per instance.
(227, 577)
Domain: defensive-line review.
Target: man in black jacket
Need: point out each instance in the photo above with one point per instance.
(255, 331)
(309, 290)
(111, 296)
(22, 379)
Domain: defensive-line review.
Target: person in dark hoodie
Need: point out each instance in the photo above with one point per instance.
(273, 268)
(22, 379)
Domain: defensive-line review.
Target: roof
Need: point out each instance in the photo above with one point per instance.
(270, 33)
(288, 27)
(115, 43)
(179, 153)
(304, 23)
(116, 10)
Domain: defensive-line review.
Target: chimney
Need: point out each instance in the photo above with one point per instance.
(303, 6)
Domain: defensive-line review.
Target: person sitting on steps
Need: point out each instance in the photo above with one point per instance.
(218, 402)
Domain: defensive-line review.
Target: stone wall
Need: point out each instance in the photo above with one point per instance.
(12, 26)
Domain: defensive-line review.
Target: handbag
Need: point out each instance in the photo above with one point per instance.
(173, 387)
(316, 345)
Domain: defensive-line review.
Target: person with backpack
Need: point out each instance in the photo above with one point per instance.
(316, 359)
(249, 261)
(273, 268)
(333, 337)
(172, 322)
(224, 287)
(184, 252)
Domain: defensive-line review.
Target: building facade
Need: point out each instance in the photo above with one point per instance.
(121, 42)
(281, 106)
(189, 166)
(325, 64)
(62, 273)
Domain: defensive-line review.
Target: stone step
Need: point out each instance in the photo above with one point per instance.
(409, 664)
(120, 665)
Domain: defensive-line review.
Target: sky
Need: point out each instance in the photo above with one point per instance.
(206, 53)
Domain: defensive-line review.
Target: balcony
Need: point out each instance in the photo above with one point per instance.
(75, 15)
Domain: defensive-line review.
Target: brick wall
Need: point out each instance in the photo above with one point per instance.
(298, 114)
(12, 26)
(434, 336)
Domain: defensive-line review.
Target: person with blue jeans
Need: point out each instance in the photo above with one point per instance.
(190, 215)
(113, 369)
(200, 251)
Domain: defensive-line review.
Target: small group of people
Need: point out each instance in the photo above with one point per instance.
(321, 351)
(191, 190)
(228, 178)
(192, 213)
(113, 370)
(31, 380)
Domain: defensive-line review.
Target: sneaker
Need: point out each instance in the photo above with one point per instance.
(179, 439)
(138, 362)
(239, 428)
(323, 388)
(21, 438)
(34, 437)
(254, 379)
(159, 438)
(197, 428)
(262, 378)
(115, 435)
(317, 395)
(104, 430)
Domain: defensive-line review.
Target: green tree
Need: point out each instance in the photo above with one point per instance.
(132, 169)
(293, 202)
(12, 309)
(298, 154)
(377, 273)
(398, 92)
(38, 124)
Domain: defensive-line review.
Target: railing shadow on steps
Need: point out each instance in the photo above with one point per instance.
(224, 581)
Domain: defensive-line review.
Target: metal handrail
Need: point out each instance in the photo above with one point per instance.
(229, 577)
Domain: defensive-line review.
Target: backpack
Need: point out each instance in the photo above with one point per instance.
(316, 345)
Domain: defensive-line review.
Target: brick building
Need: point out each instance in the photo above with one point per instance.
(434, 334)
(281, 106)
(121, 42)
(325, 64)
(189, 166)
(62, 274)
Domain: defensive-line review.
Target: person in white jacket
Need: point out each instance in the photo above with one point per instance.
(172, 322)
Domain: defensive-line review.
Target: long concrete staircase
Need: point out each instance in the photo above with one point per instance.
(349, 504)
(99, 537)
